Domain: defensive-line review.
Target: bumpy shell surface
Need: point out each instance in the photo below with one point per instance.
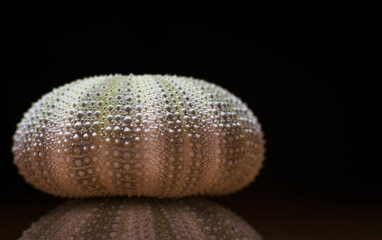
(145, 135)
(140, 219)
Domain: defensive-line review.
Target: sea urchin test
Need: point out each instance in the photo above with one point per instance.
(138, 135)
(140, 219)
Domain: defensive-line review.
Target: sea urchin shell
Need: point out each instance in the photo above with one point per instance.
(139, 135)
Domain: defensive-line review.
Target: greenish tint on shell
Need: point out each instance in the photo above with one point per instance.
(139, 135)
(140, 219)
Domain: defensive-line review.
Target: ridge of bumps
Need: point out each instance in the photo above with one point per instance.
(139, 135)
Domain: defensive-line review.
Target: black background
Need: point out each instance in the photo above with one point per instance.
(310, 71)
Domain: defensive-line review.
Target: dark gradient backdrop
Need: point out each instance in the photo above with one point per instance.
(310, 72)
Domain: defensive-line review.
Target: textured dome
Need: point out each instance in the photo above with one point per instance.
(140, 219)
(145, 135)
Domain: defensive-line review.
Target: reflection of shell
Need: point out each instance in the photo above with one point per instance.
(150, 135)
(140, 219)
